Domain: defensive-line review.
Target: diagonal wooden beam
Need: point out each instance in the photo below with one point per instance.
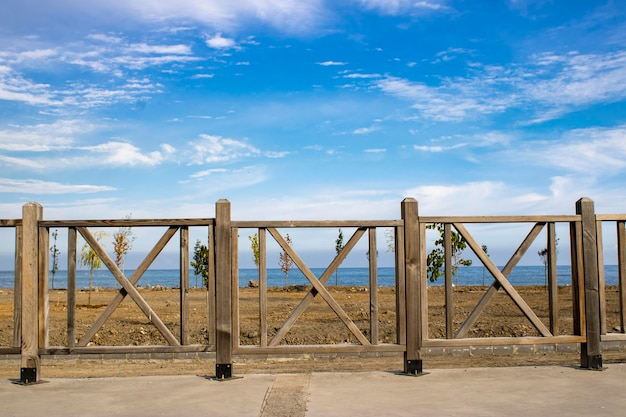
(128, 286)
(318, 287)
(502, 280)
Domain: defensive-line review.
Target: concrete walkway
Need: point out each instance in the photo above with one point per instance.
(519, 391)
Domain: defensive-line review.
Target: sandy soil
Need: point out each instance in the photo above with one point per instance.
(318, 325)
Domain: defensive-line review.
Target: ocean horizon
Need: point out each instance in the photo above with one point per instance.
(358, 277)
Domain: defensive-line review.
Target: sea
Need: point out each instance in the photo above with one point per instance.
(352, 277)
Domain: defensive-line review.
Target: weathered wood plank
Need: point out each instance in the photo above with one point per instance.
(71, 287)
(211, 285)
(553, 285)
(263, 286)
(578, 307)
(234, 285)
(285, 224)
(128, 223)
(413, 275)
(499, 219)
(400, 286)
(134, 278)
(10, 222)
(319, 287)
(184, 285)
(43, 302)
(120, 350)
(223, 290)
(373, 272)
(310, 296)
(304, 349)
(32, 213)
(449, 288)
(621, 253)
(590, 352)
(502, 341)
(17, 285)
(601, 280)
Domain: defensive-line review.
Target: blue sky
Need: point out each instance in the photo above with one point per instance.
(311, 109)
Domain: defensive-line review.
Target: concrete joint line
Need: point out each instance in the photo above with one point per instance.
(287, 397)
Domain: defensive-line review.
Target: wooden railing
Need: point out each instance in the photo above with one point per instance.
(411, 290)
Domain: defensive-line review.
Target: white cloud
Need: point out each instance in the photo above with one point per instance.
(395, 7)
(30, 186)
(593, 151)
(365, 130)
(210, 149)
(331, 63)
(443, 103)
(42, 137)
(123, 154)
(219, 42)
(160, 49)
(21, 162)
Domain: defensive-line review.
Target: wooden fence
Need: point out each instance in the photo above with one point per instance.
(412, 338)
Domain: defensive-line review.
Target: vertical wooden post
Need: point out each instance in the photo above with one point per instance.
(263, 285)
(71, 287)
(17, 295)
(621, 264)
(400, 286)
(590, 351)
(184, 285)
(32, 213)
(413, 354)
(373, 270)
(553, 285)
(43, 308)
(223, 291)
(447, 252)
(210, 286)
(601, 277)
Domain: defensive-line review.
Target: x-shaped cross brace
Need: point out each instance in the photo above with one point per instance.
(501, 281)
(128, 286)
(318, 287)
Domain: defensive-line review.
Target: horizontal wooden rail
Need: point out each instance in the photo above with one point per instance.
(254, 224)
(502, 341)
(499, 219)
(611, 217)
(127, 223)
(303, 349)
(10, 222)
(104, 350)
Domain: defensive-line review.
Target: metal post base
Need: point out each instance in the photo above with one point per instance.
(413, 367)
(223, 371)
(593, 362)
(28, 376)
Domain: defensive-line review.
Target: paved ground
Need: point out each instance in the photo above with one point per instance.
(518, 391)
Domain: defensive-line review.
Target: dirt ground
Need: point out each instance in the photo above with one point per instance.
(318, 325)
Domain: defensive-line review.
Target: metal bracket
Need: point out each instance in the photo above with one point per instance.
(28, 376)
(593, 362)
(223, 371)
(414, 367)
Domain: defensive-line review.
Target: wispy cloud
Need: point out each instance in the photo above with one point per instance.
(593, 151)
(211, 149)
(40, 187)
(331, 63)
(554, 84)
(394, 7)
